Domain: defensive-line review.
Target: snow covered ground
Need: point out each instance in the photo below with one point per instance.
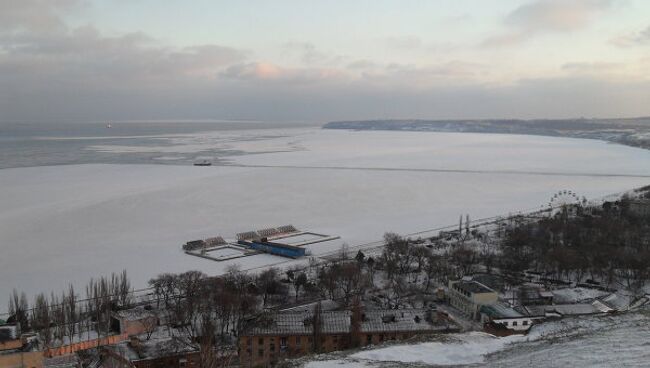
(65, 224)
(604, 341)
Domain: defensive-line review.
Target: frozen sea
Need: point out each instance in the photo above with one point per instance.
(82, 201)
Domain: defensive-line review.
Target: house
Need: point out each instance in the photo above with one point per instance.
(272, 337)
(167, 352)
(9, 339)
(134, 321)
(501, 320)
(468, 296)
(19, 351)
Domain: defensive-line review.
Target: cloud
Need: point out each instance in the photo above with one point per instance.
(403, 42)
(596, 67)
(559, 16)
(51, 71)
(268, 72)
(641, 38)
(34, 15)
(309, 54)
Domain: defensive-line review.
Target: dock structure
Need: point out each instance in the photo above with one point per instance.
(284, 241)
(248, 235)
(279, 249)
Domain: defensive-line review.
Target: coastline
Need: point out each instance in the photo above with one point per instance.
(629, 132)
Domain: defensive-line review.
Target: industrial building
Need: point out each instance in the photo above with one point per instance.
(275, 336)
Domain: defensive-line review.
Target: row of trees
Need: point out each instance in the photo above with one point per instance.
(59, 318)
(610, 244)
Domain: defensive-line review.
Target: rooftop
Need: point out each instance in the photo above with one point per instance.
(339, 322)
(562, 309)
(133, 314)
(500, 311)
(473, 287)
(154, 348)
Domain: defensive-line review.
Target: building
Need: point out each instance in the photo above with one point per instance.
(275, 336)
(559, 310)
(168, 352)
(469, 296)
(279, 249)
(134, 321)
(19, 351)
(501, 320)
(531, 295)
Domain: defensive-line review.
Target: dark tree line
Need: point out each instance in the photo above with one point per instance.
(610, 244)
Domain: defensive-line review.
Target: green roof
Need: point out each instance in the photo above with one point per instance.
(499, 311)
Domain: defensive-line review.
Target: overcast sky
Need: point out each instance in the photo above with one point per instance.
(97, 60)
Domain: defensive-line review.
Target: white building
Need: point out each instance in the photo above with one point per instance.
(469, 296)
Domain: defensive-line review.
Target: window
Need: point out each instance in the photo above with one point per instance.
(514, 323)
(260, 352)
(525, 323)
(283, 343)
(298, 340)
(260, 341)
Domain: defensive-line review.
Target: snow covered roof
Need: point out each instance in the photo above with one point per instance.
(133, 314)
(561, 309)
(299, 323)
(500, 311)
(617, 301)
(154, 348)
(65, 361)
(472, 287)
(576, 295)
(339, 322)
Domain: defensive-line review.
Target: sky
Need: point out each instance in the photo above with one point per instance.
(317, 60)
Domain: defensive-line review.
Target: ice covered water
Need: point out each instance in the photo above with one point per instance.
(64, 224)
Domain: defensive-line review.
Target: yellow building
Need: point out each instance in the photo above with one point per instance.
(469, 296)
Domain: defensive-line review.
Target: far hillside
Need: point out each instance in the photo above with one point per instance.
(632, 131)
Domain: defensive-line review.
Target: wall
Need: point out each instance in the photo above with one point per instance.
(267, 350)
(138, 327)
(84, 345)
(187, 360)
(32, 359)
(11, 344)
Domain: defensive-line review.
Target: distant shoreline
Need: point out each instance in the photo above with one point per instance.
(634, 132)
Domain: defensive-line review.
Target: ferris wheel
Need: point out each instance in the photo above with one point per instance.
(565, 199)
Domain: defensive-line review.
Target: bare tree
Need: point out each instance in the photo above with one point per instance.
(299, 282)
(70, 310)
(41, 321)
(18, 308)
(317, 328)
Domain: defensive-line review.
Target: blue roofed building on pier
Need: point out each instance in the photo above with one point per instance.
(279, 249)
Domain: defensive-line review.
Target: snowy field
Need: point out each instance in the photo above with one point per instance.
(606, 341)
(62, 224)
